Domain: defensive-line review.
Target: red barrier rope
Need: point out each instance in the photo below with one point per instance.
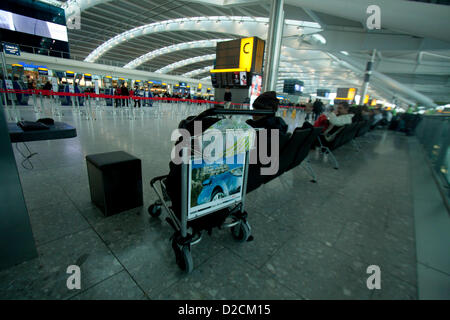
(48, 93)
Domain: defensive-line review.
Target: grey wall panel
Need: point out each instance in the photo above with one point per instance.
(16, 238)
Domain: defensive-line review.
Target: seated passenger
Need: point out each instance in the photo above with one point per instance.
(333, 122)
(267, 101)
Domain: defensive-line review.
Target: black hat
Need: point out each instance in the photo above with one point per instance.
(266, 101)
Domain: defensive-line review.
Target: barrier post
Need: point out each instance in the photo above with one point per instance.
(57, 107)
(89, 112)
(41, 104)
(16, 110)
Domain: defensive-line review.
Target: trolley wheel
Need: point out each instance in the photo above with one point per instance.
(154, 210)
(241, 232)
(183, 257)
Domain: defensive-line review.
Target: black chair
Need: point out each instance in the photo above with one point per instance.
(345, 134)
(303, 152)
(289, 152)
(351, 134)
(255, 179)
(348, 134)
(365, 127)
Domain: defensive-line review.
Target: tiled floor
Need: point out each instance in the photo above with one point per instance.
(311, 241)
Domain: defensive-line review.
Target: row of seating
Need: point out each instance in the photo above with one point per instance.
(347, 134)
(294, 149)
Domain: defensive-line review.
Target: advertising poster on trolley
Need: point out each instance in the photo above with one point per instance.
(217, 181)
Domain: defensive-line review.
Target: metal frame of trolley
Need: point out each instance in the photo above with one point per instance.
(236, 218)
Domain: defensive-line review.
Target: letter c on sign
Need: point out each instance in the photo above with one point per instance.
(244, 48)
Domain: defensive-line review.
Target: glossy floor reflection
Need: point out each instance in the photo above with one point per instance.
(311, 241)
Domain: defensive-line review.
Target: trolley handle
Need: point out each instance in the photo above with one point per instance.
(223, 111)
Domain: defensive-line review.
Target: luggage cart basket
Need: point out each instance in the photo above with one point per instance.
(214, 194)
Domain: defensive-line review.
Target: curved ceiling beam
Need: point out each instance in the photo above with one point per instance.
(173, 48)
(83, 4)
(238, 25)
(196, 72)
(186, 62)
(212, 43)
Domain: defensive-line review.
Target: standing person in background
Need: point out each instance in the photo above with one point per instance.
(188, 96)
(137, 93)
(227, 97)
(47, 86)
(318, 108)
(29, 83)
(117, 92)
(125, 93)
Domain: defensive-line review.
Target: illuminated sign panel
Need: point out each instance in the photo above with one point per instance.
(345, 94)
(293, 86)
(11, 48)
(235, 59)
(43, 71)
(366, 99)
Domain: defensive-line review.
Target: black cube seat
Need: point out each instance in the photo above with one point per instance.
(115, 181)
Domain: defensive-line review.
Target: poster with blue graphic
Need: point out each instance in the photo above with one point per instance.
(215, 185)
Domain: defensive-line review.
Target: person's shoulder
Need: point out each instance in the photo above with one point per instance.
(280, 120)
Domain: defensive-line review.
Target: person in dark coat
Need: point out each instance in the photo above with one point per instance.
(124, 91)
(317, 108)
(268, 101)
(47, 86)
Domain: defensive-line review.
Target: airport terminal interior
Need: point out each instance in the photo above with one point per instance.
(348, 100)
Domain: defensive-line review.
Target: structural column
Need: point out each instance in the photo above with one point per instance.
(367, 77)
(273, 48)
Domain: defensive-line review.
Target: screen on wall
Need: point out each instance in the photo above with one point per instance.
(29, 24)
(293, 87)
(227, 54)
(16, 22)
(323, 93)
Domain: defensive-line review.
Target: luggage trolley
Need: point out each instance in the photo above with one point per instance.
(223, 209)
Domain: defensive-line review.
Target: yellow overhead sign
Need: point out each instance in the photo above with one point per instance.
(366, 99)
(227, 70)
(250, 52)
